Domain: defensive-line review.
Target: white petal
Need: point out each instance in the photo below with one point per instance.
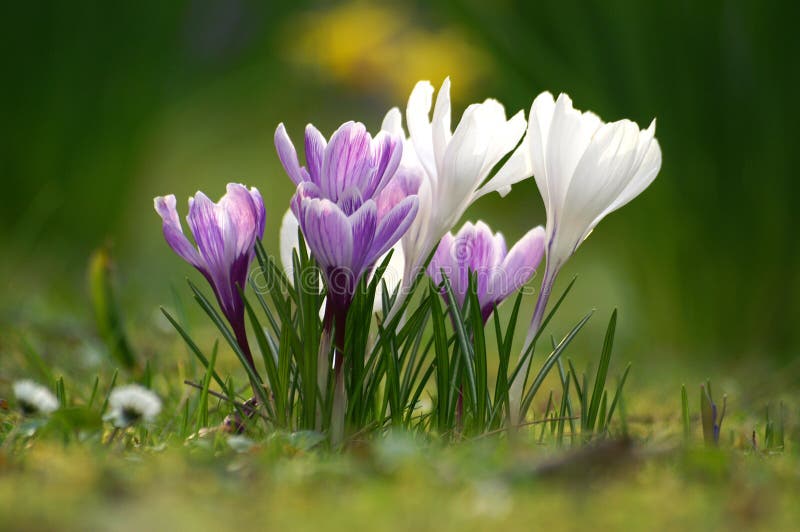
(288, 242)
(441, 132)
(647, 166)
(569, 137)
(504, 134)
(462, 168)
(419, 125)
(539, 120)
(393, 122)
(600, 177)
(518, 167)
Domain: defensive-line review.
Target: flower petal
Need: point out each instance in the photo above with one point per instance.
(393, 122)
(288, 156)
(387, 151)
(244, 215)
(440, 126)
(405, 183)
(600, 177)
(173, 232)
(363, 223)
(419, 125)
(392, 227)
(539, 121)
(442, 259)
(647, 166)
(462, 169)
(570, 135)
(215, 235)
(518, 167)
(261, 213)
(315, 150)
(328, 233)
(210, 231)
(347, 160)
(288, 242)
(519, 264)
(350, 200)
(504, 134)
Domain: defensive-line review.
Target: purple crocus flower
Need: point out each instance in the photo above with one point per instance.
(349, 207)
(499, 272)
(225, 233)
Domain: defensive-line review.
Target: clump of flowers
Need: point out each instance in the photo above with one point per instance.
(360, 351)
(132, 404)
(34, 399)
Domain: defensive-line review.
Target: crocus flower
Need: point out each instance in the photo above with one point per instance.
(289, 243)
(34, 399)
(585, 169)
(454, 165)
(128, 405)
(225, 233)
(498, 271)
(346, 220)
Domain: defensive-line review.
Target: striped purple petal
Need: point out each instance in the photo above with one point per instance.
(173, 232)
(288, 156)
(519, 264)
(476, 250)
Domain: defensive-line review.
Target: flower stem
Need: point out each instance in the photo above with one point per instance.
(241, 338)
(517, 387)
(339, 408)
(323, 367)
(339, 391)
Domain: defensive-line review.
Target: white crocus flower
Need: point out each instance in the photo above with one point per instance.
(34, 399)
(454, 165)
(131, 404)
(585, 169)
(289, 243)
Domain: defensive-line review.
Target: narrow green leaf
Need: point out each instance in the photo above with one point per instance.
(93, 395)
(617, 394)
(202, 405)
(108, 392)
(192, 346)
(464, 342)
(442, 358)
(255, 379)
(550, 361)
(529, 351)
(602, 372)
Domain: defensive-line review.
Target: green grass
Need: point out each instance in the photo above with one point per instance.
(395, 483)
(173, 476)
(592, 455)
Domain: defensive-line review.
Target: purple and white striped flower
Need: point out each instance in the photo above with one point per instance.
(225, 233)
(392, 276)
(499, 272)
(348, 206)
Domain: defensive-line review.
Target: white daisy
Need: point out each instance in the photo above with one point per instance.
(34, 398)
(131, 404)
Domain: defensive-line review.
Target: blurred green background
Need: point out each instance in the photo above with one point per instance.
(106, 105)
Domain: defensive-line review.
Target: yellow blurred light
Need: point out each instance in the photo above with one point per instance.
(380, 48)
